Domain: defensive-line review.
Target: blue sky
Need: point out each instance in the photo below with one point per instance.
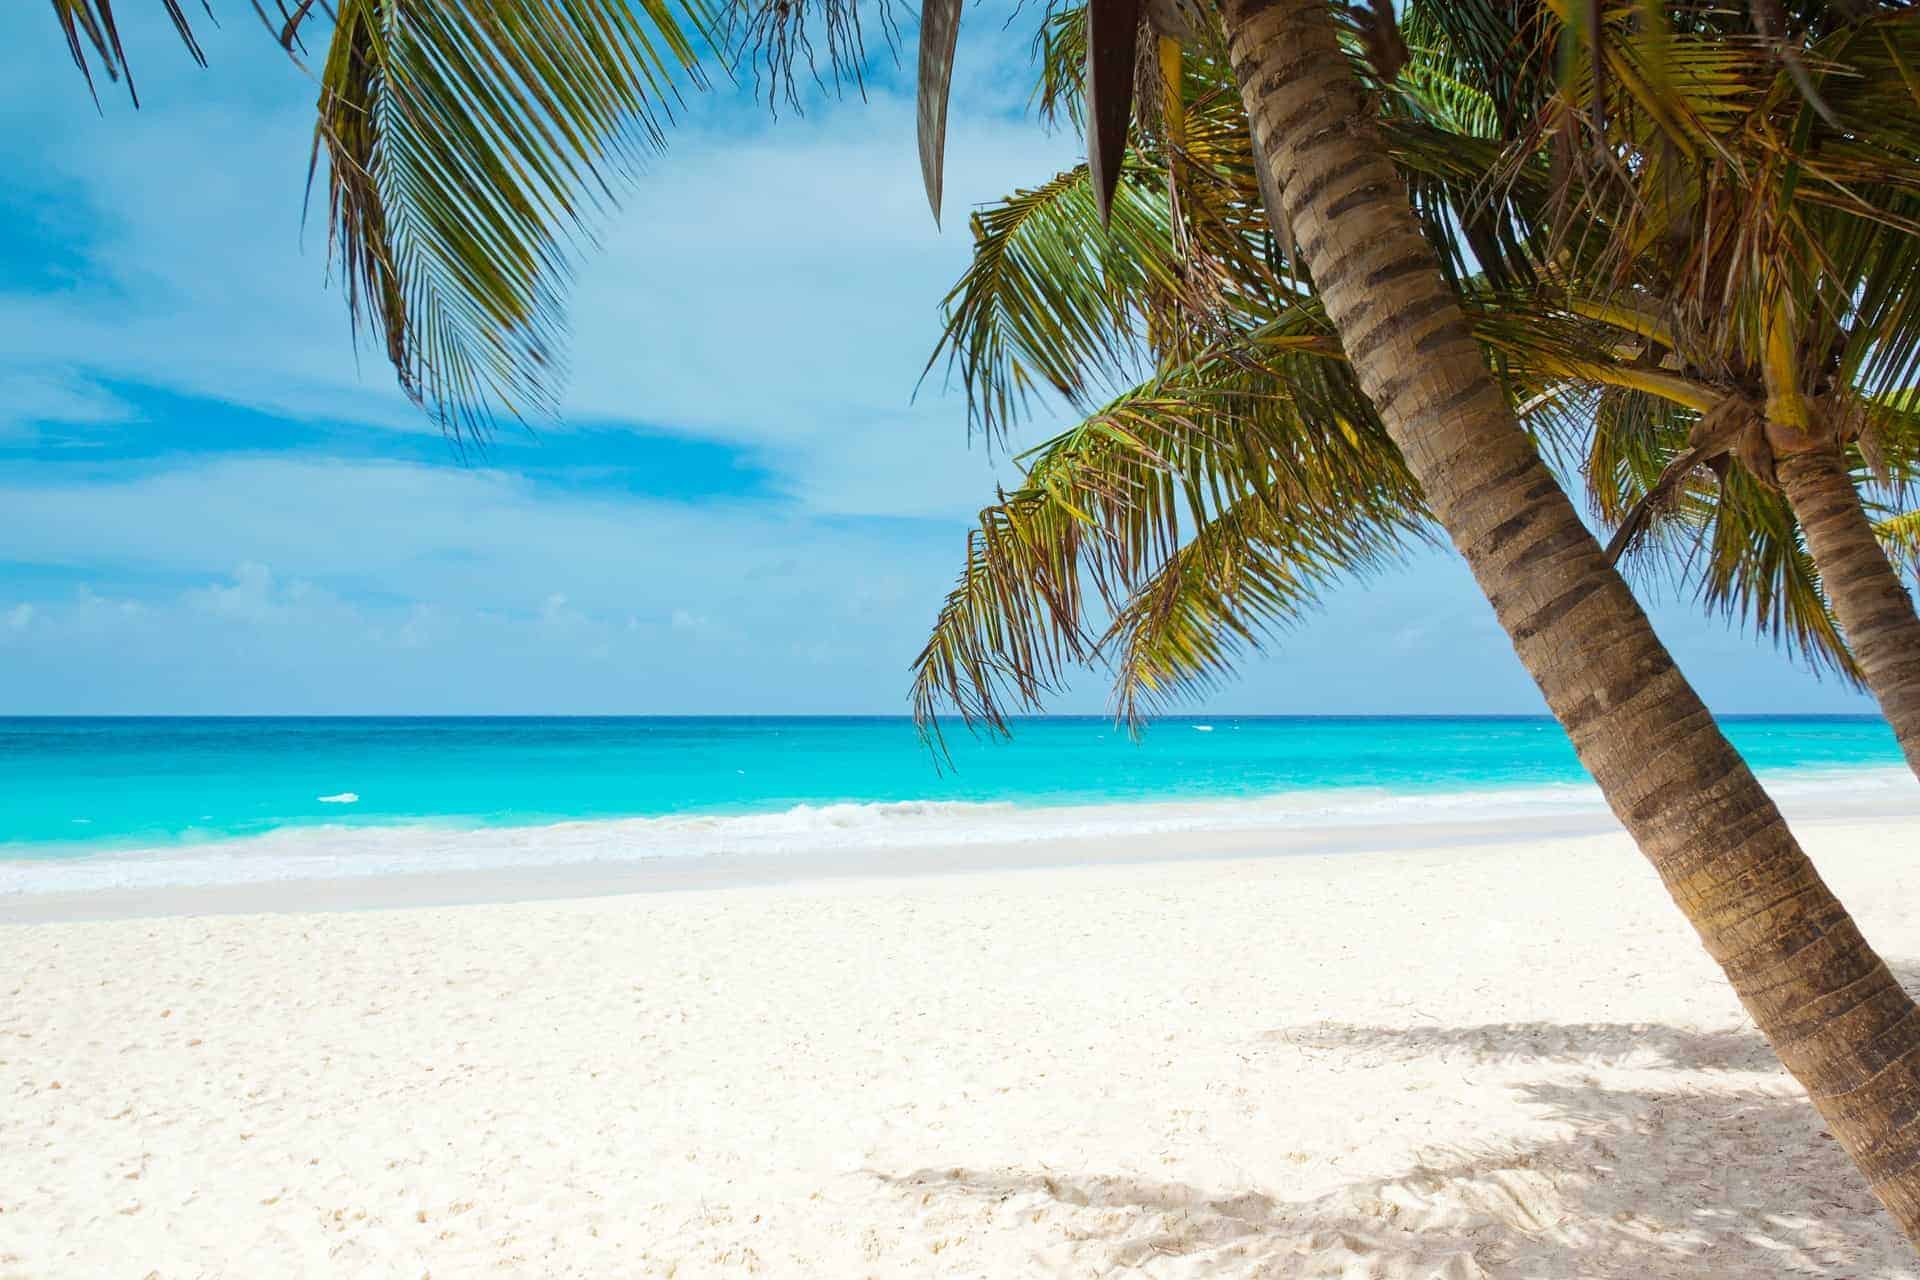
(208, 504)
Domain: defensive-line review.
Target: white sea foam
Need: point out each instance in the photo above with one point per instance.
(345, 797)
(322, 852)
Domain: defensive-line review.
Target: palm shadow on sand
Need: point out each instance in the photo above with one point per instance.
(1735, 1180)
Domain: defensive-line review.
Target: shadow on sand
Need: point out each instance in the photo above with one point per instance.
(1732, 1177)
(1605, 1044)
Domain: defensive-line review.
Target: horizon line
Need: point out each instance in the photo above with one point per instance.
(862, 715)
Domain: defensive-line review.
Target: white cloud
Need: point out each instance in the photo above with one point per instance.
(493, 582)
(284, 586)
(254, 597)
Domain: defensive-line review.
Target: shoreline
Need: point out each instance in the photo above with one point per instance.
(1824, 799)
(568, 881)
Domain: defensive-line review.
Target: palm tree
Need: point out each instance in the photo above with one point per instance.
(1832, 1010)
(1763, 241)
(464, 141)
(1054, 299)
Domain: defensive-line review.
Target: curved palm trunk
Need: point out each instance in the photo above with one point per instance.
(1833, 1012)
(1875, 611)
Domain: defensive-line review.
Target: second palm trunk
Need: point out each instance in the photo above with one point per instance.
(1876, 614)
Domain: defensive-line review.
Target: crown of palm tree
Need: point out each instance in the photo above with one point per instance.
(1184, 272)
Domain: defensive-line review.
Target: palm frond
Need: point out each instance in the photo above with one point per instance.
(89, 25)
(1107, 506)
(1753, 569)
(1054, 300)
(467, 149)
(1255, 569)
(1900, 535)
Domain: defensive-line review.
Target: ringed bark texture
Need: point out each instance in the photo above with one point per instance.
(1875, 611)
(1833, 1012)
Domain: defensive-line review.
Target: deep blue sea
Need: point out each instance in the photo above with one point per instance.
(187, 800)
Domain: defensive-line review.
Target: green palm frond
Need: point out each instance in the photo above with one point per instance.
(1051, 300)
(1500, 50)
(1753, 569)
(1060, 54)
(464, 146)
(1692, 166)
(1105, 508)
(1255, 569)
(468, 149)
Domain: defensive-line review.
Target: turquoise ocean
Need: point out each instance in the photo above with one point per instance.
(102, 802)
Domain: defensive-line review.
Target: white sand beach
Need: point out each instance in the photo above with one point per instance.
(1490, 1060)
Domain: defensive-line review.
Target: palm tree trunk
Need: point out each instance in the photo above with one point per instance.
(1875, 611)
(1836, 1016)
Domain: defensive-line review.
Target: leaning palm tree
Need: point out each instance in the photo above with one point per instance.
(1830, 1007)
(1336, 202)
(460, 137)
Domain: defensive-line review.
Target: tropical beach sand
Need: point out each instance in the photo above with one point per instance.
(1501, 1060)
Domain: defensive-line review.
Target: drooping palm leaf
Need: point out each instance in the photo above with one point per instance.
(464, 147)
(1755, 571)
(92, 21)
(467, 148)
(1253, 570)
(1272, 442)
(1049, 301)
